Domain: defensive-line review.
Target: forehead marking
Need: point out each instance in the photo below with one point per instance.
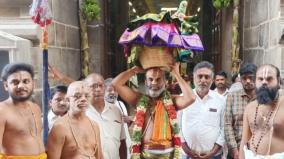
(265, 72)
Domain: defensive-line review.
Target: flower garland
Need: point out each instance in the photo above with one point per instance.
(139, 120)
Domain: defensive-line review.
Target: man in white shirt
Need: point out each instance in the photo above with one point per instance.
(57, 104)
(109, 119)
(111, 97)
(221, 80)
(221, 83)
(202, 123)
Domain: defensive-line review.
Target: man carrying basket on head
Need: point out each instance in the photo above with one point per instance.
(153, 41)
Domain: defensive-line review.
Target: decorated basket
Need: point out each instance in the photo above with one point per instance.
(157, 40)
(156, 57)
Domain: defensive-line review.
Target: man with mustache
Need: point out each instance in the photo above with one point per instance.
(109, 118)
(20, 119)
(202, 122)
(263, 125)
(148, 138)
(235, 106)
(57, 104)
(75, 136)
(221, 83)
(111, 96)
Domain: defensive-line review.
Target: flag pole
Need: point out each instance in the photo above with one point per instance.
(45, 92)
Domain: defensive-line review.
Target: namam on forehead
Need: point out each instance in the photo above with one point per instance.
(266, 71)
(77, 87)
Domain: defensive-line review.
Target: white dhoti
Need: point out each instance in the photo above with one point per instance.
(251, 155)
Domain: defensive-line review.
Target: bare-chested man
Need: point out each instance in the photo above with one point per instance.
(156, 142)
(20, 119)
(75, 136)
(105, 114)
(263, 125)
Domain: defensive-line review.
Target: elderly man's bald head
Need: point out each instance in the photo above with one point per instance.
(77, 86)
(94, 76)
(78, 96)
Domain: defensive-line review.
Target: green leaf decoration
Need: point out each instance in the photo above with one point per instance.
(175, 128)
(144, 101)
(91, 9)
(219, 4)
(137, 136)
(134, 55)
(151, 17)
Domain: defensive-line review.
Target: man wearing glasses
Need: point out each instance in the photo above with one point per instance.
(109, 118)
(235, 106)
(107, 115)
(75, 135)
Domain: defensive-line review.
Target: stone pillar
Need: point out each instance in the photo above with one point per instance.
(261, 32)
(96, 34)
(226, 33)
(106, 55)
(64, 37)
(282, 36)
(119, 23)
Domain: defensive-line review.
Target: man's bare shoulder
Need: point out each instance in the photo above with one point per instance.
(4, 104)
(60, 125)
(95, 124)
(5, 108)
(35, 107)
(281, 103)
(251, 106)
(281, 99)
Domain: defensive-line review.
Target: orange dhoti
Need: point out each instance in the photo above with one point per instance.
(161, 135)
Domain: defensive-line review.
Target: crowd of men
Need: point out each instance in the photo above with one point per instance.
(86, 120)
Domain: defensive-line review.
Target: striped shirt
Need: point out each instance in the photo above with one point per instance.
(234, 110)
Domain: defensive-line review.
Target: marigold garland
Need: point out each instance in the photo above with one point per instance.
(139, 120)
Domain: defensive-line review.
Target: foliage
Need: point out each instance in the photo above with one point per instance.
(219, 4)
(91, 9)
(133, 59)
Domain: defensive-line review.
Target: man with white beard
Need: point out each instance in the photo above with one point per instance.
(155, 132)
(111, 97)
